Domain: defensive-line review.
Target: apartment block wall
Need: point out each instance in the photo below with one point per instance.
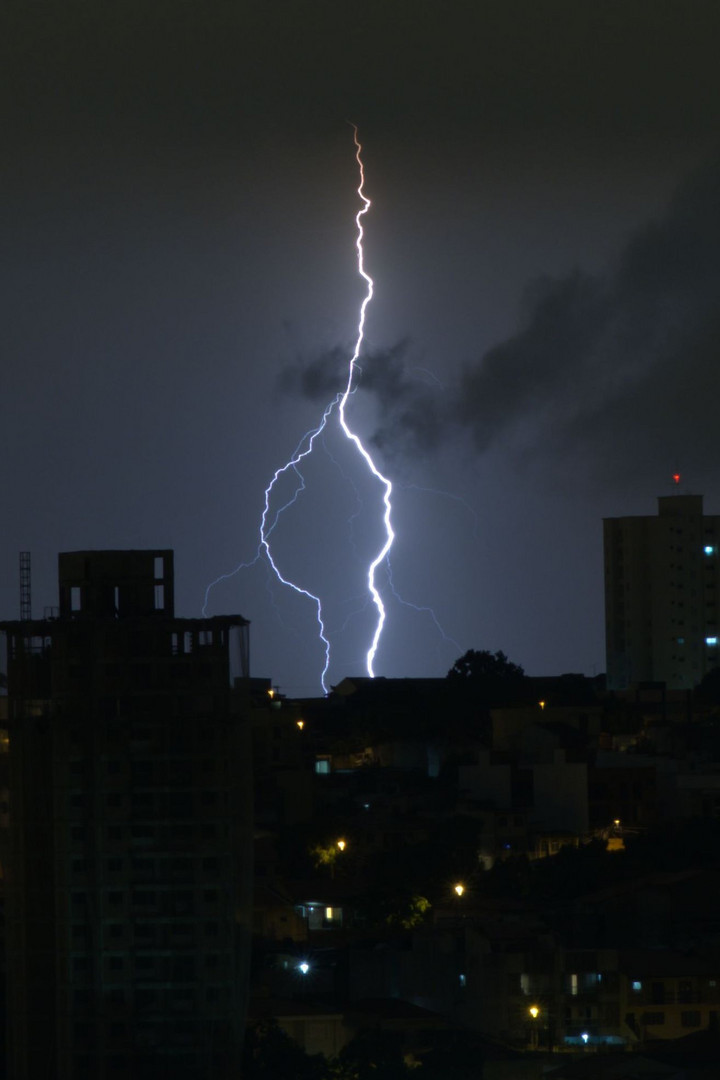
(662, 595)
(127, 846)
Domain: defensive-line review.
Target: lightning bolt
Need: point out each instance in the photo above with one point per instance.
(350, 434)
(337, 407)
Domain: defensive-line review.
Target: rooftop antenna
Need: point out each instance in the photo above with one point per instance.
(25, 587)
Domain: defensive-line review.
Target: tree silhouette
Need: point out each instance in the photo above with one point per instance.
(489, 676)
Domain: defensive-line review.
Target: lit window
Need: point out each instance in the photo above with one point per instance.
(711, 641)
(322, 765)
(637, 985)
(463, 980)
(709, 549)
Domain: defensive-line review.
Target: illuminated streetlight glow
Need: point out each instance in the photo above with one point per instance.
(304, 967)
(300, 724)
(459, 889)
(341, 845)
(534, 1011)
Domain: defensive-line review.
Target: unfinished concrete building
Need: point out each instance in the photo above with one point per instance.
(126, 845)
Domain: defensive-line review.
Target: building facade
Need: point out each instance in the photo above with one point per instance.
(126, 846)
(662, 595)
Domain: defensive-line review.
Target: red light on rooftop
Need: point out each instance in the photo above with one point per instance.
(676, 478)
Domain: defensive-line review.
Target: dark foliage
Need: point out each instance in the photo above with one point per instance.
(372, 1055)
(490, 678)
(270, 1054)
(458, 1057)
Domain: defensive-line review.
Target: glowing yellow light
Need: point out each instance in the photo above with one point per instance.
(616, 822)
(342, 844)
(459, 889)
(328, 913)
(300, 724)
(534, 1011)
(271, 694)
(541, 704)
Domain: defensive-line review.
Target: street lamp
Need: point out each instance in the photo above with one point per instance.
(459, 889)
(341, 845)
(534, 1040)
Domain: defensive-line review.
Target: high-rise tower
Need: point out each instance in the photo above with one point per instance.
(126, 846)
(662, 595)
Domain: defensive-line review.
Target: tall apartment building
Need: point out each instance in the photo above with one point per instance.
(126, 846)
(662, 595)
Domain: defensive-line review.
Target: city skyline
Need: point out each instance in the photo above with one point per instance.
(181, 284)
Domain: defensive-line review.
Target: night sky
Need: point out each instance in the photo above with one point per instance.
(181, 296)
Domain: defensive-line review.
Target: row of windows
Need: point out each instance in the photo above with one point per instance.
(123, 714)
(176, 968)
(158, 900)
(145, 934)
(148, 933)
(688, 1019)
(150, 998)
(160, 867)
(159, 772)
(165, 805)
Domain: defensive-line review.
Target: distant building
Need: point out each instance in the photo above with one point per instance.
(662, 595)
(126, 848)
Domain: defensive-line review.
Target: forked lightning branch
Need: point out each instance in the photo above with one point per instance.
(335, 412)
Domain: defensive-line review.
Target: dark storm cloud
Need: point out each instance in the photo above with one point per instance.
(603, 372)
(319, 379)
(406, 397)
(521, 376)
(621, 369)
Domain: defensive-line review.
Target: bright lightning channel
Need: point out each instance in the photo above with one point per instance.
(269, 519)
(350, 434)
